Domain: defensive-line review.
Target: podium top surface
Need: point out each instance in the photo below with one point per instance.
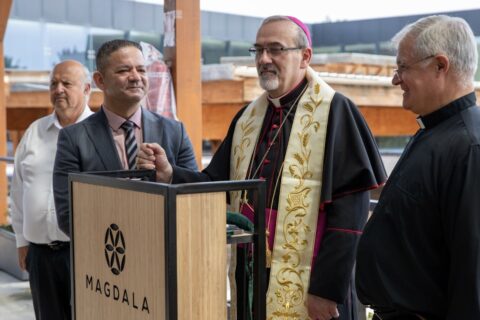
(163, 188)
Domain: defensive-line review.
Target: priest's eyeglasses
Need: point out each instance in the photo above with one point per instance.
(273, 51)
(404, 67)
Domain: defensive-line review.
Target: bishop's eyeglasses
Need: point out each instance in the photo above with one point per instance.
(272, 51)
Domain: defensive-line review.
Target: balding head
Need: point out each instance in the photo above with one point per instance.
(69, 90)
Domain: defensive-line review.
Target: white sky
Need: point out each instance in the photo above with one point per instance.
(310, 11)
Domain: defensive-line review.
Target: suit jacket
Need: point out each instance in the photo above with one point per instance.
(89, 146)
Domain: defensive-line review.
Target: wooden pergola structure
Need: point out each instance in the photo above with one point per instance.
(206, 108)
(5, 6)
(379, 102)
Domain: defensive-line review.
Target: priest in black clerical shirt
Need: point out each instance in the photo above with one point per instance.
(419, 256)
(314, 150)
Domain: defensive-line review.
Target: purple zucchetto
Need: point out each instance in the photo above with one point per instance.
(304, 27)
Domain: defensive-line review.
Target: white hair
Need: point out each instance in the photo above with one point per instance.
(441, 34)
(87, 79)
(87, 76)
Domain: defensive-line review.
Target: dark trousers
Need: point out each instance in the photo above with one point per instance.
(49, 276)
(395, 315)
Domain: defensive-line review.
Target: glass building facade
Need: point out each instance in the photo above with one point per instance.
(40, 33)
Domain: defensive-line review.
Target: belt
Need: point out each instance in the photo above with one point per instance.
(54, 245)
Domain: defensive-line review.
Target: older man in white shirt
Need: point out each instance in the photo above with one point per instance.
(43, 249)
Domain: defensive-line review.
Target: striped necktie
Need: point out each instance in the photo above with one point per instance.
(130, 143)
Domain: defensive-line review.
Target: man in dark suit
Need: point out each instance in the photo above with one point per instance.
(108, 139)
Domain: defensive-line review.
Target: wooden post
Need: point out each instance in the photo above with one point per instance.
(5, 6)
(184, 58)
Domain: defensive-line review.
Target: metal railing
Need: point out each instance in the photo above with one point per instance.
(7, 159)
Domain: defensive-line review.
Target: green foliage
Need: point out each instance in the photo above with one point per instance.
(10, 64)
(7, 227)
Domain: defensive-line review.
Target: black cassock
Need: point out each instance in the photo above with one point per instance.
(352, 166)
(420, 251)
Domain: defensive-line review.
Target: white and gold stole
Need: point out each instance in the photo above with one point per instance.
(300, 193)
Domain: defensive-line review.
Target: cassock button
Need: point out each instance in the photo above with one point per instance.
(262, 178)
(266, 161)
(274, 126)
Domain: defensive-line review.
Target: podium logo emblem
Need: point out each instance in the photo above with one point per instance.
(115, 249)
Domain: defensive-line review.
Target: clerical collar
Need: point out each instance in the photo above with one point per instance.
(451, 109)
(289, 97)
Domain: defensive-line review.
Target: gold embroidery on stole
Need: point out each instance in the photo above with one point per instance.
(300, 194)
(244, 141)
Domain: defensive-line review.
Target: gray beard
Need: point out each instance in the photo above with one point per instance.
(269, 84)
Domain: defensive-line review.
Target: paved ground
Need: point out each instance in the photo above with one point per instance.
(15, 299)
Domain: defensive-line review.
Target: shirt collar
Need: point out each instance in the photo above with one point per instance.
(289, 97)
(54, 122)
(451, 109)
(115, 121)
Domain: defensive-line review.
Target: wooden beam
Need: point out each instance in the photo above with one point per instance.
(3, 143)
(380, 105)
(20, 118)
(383, 121)
(29, 99)
(389, 122)
(184, 58)
(5, 6)
(24, 107)
(370, 95)
(217, 118)
(223, 91)
(41, 99)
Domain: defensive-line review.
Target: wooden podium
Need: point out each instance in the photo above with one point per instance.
(144, 250)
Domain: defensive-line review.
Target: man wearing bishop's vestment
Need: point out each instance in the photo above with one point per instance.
(314, 150)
